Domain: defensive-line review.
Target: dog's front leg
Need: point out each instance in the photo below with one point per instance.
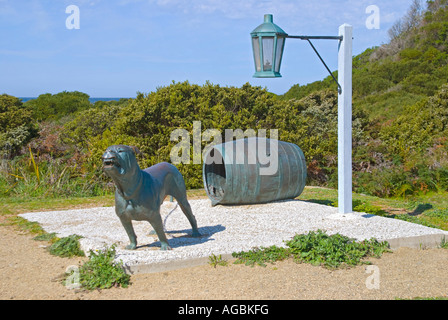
(127, 224)
(157, 224)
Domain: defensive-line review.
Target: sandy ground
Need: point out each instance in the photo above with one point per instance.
(28, 271)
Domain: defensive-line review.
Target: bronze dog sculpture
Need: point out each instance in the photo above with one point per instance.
(139, 193)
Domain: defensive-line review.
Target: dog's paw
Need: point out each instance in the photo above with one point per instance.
(165, 246)
(196, 234)
(131, 246)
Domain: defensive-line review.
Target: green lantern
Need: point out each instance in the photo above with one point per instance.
(268, 42)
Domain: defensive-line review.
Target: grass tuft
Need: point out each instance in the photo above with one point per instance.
(67, 247)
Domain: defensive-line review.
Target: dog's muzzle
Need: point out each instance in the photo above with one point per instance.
(109, 160)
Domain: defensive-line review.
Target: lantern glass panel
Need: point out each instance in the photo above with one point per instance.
(256, 49)
(268, 53)
(279, 53)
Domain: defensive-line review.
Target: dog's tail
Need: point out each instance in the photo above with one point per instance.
(166, 218)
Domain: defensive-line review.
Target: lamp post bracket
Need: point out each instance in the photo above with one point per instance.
(316, 37)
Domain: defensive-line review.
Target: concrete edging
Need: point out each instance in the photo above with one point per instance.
(417, 242)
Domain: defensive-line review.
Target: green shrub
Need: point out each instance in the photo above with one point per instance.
(89, 124)
(410, 54)
(102, 272)
(317, 248)
(16, 126)
(55, 106)
(11, 141)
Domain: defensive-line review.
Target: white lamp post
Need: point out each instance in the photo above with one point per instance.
(268, 41)
(345, 120)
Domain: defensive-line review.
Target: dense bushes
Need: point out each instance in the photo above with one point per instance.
(400, 120)
(54, 107)
(47, 165)
(147, 122)
(16, 125)
(400, 156)
(401, 87)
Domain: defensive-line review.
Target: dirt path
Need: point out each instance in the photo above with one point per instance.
(30, 272)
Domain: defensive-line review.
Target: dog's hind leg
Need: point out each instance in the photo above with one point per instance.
(178, 190)
(186, 209)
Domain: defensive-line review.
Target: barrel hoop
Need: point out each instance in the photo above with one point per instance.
(280, 168)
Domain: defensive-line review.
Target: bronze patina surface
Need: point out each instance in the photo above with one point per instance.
(139, 193)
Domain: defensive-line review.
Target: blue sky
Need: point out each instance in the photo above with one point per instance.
(128, 46)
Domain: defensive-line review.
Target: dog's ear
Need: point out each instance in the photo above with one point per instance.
(136, 150)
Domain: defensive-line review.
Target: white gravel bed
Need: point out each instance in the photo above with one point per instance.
(224, 229)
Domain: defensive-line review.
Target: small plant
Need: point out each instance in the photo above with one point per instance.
(50, 237)
(261, 255)
(217, 261)
(316, 248)
(102, 272)
(67, 247)
(444, 243)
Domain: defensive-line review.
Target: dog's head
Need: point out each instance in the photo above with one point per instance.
(119, 160)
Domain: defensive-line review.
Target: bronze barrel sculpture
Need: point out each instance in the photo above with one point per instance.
(253, 170)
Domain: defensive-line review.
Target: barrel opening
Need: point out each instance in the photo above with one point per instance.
(215, 174)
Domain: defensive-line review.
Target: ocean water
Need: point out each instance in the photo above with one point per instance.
(92, 100)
